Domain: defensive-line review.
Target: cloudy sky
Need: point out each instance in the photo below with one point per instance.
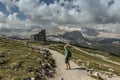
(99, 14)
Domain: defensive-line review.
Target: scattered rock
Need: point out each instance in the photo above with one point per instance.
(44, 64)
(110, 69)
(96, 74)
(106, 65)
(3, 61)
(32, 78)
(1, 54)
(24, 56)
(16, 66)
(30, 69)
(90, 71)
(79, 61)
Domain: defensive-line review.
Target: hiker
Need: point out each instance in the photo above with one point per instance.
(67, 54)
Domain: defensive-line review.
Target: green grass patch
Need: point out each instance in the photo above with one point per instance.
(18, 57)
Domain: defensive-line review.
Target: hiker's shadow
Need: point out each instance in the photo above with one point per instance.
(79, 68)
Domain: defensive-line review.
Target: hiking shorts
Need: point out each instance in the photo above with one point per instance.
(67, 60)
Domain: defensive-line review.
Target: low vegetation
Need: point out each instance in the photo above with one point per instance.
(18, 61)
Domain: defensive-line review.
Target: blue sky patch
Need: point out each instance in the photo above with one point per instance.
(3, 8)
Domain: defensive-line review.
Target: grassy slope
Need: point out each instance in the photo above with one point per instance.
(97, 63)
(18, 57)
(106, 54)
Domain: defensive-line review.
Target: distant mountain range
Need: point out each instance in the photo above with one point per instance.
(85, 37)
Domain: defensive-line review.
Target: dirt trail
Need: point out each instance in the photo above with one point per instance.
(76, 73)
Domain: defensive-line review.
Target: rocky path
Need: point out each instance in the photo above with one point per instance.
(76, 73)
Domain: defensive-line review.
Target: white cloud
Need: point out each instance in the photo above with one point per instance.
(109, 27)
(77, 12)
(12, 21)
(2, 17)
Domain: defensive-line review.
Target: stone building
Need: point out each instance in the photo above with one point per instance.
(41, 36)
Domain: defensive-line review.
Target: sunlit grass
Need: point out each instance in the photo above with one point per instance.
(18, 58)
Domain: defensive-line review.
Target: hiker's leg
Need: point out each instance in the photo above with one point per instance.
(69, 65)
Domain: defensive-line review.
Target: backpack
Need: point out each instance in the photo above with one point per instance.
(69, 53)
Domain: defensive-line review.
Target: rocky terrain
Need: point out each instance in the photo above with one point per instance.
(20, 61)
